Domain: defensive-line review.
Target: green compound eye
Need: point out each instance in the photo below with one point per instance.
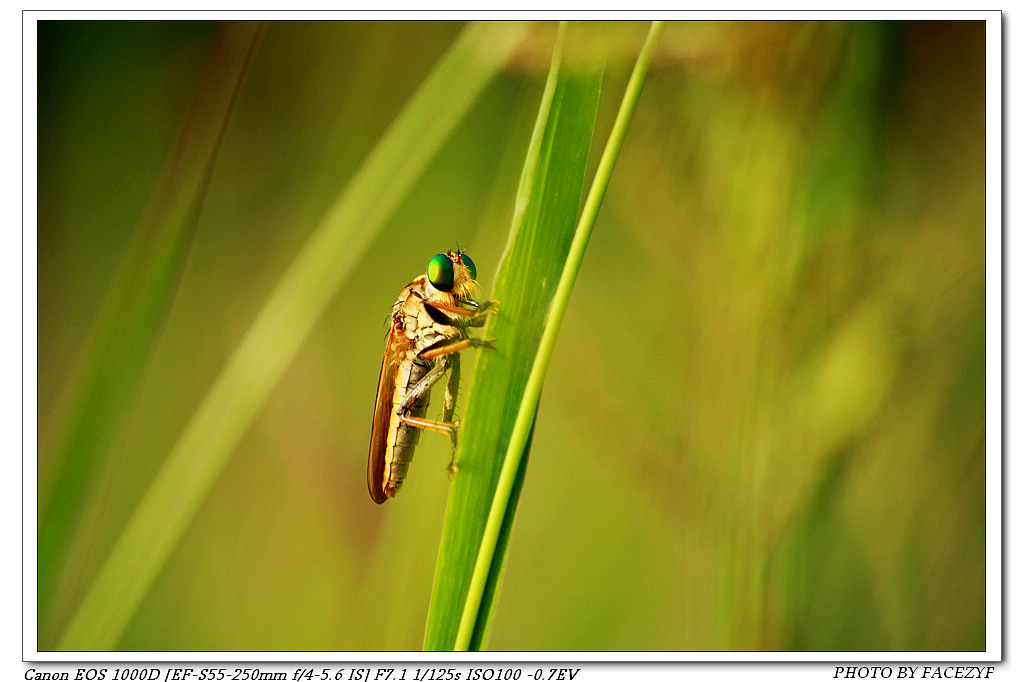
(468, 262)
(441, 272)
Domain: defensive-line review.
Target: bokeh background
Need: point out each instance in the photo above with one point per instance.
(763, 426)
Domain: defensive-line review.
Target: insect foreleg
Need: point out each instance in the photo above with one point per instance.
(478, 318)
(473, 318)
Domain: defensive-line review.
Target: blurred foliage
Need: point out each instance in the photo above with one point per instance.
(763, 425)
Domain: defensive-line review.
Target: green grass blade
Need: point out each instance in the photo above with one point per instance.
(546, 208)
(113, 362)
(507, 387)
(279, 329)
(510, 481)
(481, 630)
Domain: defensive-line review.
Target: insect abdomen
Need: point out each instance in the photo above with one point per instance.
(402, 438)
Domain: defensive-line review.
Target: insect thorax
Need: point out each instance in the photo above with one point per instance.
(414, 322)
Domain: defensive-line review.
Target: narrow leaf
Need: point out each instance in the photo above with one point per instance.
(113, 362)
(534, 335)
(547, 206)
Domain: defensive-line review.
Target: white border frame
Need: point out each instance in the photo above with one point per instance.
(994, 371)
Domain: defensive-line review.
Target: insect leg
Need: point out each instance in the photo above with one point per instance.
(478, 318)
(422, 386)
(452, 347)
(451, 392)
(474, 318)
(420, 423)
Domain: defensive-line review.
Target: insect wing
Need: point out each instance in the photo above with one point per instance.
(381, 422)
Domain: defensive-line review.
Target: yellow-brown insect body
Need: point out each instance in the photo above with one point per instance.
(416, 331)
(428, 329)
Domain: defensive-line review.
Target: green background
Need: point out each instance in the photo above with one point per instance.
(763, 426)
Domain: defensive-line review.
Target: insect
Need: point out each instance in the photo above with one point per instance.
(430, 324)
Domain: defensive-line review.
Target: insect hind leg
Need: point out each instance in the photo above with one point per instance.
(422, 386)
(448, 424)
(430, 424)
(451, 428)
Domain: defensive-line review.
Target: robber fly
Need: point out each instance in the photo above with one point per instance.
(429, 326)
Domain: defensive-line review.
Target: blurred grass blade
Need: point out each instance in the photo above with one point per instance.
(546, 208)
(507, 384)
(282, 325)
(113, 362)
